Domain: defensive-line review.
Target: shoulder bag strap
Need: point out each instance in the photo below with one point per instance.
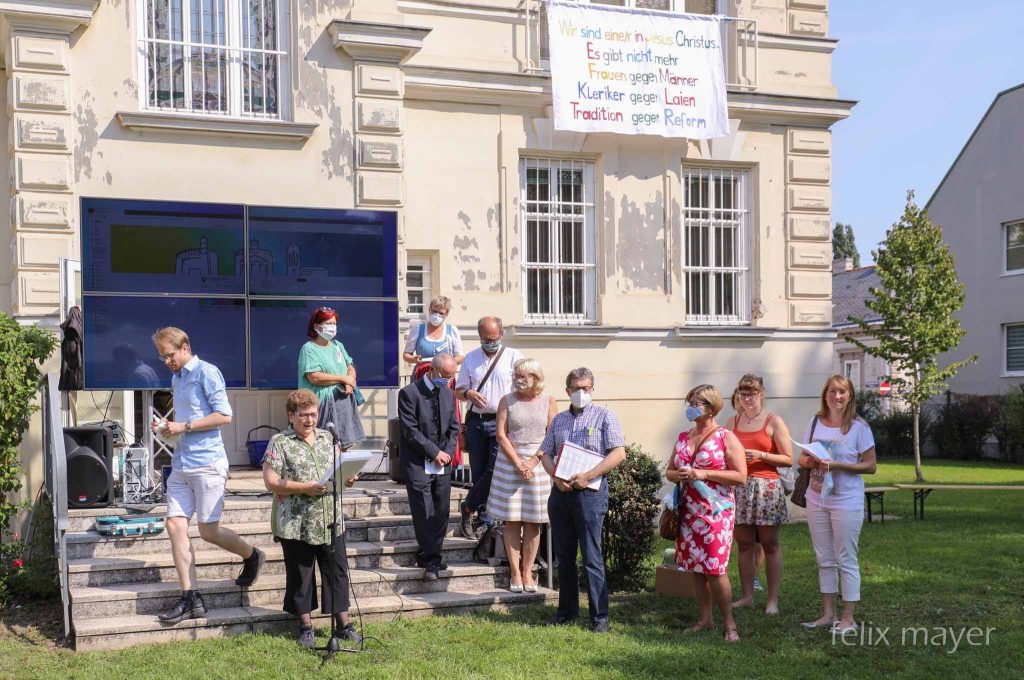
(703, 439)
(490, 369)
(814, 426)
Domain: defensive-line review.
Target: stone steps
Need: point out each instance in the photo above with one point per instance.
(385, 528)
(246, 510)
(127, 599)
(216, 564)
(130, 630)
(118, 585)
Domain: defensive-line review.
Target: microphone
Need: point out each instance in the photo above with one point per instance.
(333, 431)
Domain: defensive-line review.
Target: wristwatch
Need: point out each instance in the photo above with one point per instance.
(188, 426)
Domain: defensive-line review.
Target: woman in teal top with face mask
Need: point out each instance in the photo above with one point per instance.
(326, 369)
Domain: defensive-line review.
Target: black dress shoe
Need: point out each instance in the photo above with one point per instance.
(430, 574)
(562, 621)
(251, 568)
(600, 626)
(186, 608)
(466, 522)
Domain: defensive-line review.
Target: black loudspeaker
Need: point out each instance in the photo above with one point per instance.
(394, 437)
(90, 452)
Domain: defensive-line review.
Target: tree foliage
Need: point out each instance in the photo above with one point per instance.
(23, 349)
(920, 292)
(843, 243)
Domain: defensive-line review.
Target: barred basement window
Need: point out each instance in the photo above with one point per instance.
(557, 199)
(715, 251)
(220, 57)
(1015, 349)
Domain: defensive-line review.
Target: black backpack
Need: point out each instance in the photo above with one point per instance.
(490, 547)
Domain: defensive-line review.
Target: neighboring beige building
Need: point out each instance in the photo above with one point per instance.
(660, 263)
(851, 288)
(980, 207)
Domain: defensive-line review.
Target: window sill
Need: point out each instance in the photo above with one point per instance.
(582, 331)
(1013, 272)
(211, 125)
(746, 332)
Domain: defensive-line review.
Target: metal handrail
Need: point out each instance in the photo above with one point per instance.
(56, 482)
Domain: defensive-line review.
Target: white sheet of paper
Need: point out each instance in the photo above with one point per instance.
(433, 468)
(816, 449)
(574, 459)
(350, 462)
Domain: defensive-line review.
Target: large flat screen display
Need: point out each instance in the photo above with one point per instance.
(163, 247)
(119, 348)
(368, 329)
(344, 253)
(241, 281)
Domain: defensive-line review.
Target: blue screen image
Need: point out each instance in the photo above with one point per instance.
(162, 247)
(368, 329)
(119, 352)
(310, 252)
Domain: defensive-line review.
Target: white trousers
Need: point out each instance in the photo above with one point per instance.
(834, 535)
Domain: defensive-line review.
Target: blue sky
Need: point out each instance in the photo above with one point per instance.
(924, 72)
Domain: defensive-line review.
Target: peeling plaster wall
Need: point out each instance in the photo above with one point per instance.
(113, 161)
(453, 203)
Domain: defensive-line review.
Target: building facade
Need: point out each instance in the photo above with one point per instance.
(659, 263)
(980, 208)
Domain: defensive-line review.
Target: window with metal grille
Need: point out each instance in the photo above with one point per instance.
(715, 245)
(557, 199)
(1015, 349)
(221, 57)
(417, 285)
(1014, 247)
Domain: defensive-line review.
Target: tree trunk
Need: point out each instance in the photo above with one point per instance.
(918, 474)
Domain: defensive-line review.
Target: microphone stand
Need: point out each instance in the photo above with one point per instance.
(333, 643)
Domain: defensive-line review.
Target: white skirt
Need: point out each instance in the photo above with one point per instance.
(514, 499)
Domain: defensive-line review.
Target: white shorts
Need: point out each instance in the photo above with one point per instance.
(198, 491)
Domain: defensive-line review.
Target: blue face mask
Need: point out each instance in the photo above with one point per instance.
(490, 347)
(439, 381)
(693, 413)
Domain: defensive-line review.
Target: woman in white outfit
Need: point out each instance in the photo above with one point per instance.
(835, 515)
(520, 486)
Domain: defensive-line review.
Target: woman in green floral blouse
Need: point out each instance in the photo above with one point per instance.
(301, 520)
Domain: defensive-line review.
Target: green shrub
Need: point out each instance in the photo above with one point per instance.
(22, 350)
(1010, 429)
(629, 538)
(961, 425)
(892, 426)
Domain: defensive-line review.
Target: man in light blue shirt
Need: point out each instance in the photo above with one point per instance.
(199, 469)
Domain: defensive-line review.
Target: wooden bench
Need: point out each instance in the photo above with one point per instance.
(876, 493)
(921, 491)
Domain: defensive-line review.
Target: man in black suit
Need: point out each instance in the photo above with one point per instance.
(426, 412)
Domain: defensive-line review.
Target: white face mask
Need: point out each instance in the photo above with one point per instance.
(521, 384)
(579, 399)
(327, 331)
(435, 319)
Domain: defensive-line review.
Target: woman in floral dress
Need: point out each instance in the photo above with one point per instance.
(710, 454)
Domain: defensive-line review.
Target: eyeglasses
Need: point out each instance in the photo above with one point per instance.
(307, 416)
(701, 402)
(326, 310)
(749, 395)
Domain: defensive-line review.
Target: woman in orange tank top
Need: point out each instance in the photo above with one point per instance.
(761, 502)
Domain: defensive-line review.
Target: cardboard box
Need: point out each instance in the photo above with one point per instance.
(670, 581)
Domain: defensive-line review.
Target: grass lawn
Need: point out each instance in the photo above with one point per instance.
(963, 567)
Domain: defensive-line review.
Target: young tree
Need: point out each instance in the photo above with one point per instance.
(920, 292)
(843, 243)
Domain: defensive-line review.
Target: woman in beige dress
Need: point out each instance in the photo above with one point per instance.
(520, 486)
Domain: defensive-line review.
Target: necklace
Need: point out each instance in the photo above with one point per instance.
(756, 415)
